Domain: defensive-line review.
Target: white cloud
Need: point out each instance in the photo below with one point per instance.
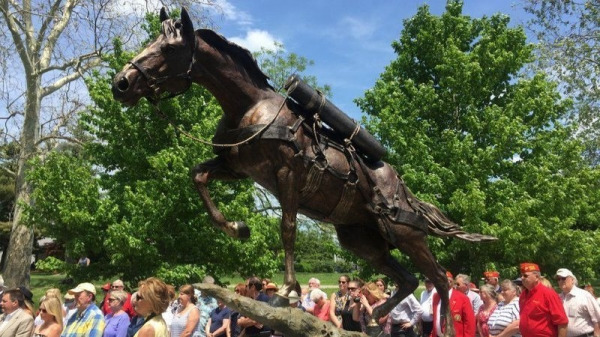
(255, 40)
(230, 12)
(356, 28)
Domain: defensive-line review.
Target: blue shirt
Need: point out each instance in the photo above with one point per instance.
(206, 305)
(116, 326)
(89, 323)
(216, 319)
(135, 324)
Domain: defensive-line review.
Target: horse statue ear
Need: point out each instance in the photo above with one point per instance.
(188, 26)
(163, 14)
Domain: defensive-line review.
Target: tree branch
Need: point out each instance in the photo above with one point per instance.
(46, 23)
(13, 28)
(55, 33)
(9, 172)
(70, 139)
(74, 62)
(291, 322)
(69, 78)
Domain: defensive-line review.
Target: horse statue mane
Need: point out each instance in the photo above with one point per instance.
(241, 54)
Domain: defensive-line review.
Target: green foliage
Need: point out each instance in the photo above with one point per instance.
(51, 265)
(279, 66)
(569, 49)
(490, 148)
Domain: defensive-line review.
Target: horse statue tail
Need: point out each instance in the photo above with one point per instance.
(440, 225)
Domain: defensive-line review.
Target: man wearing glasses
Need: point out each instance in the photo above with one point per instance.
(542, 312)
(127, 307)
(581, 307)
(88, 321)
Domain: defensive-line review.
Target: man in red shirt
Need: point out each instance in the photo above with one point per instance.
(127, 307)
(542, 312)
(461, 312)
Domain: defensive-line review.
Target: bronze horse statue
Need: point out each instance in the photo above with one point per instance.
(371, 208)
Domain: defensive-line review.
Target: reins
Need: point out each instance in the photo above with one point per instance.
(200, 140)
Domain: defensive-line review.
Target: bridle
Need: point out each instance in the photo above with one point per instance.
(154, 82)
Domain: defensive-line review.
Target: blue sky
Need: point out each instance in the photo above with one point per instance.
(349, 41)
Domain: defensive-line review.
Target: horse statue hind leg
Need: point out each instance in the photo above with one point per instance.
(368, 243)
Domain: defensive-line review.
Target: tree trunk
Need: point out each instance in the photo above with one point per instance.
(291, 322)
(20, 247)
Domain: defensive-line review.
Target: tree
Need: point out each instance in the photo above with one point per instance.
(569, 47)
(54, 44)
(490, 148)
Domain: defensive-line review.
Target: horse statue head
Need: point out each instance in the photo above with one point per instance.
(164, 66)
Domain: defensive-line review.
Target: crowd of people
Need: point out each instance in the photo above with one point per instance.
(527, 306)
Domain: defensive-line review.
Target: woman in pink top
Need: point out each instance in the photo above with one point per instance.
(321, 309)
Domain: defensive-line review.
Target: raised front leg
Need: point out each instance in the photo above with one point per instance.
(216, 168)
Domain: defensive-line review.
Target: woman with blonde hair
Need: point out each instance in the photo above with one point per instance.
(370, 298)
(51, 312)
(488, 297)
(185, 321)
(153, 299)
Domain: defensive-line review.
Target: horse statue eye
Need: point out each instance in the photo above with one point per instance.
(169, 49)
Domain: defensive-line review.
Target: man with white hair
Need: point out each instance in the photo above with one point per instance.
(321, 307)
(307, 302)
(581, 307)
(462, 284)
(127, 307)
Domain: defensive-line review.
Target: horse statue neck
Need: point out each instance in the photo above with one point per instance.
(230, 73)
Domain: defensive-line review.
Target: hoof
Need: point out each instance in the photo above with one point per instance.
(237, 230)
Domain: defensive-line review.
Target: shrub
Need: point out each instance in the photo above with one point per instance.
(51, 265)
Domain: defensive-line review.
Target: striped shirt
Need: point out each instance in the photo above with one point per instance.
(503, 316)
(89, 323)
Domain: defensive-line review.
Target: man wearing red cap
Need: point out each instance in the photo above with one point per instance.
(461, 312)
(491, 278)
(542, 312)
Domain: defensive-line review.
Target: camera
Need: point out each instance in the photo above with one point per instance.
(356, 299)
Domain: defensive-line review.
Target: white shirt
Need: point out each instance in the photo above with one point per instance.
(427, 305)
(408, 310)
(582, 310)
(476, 301)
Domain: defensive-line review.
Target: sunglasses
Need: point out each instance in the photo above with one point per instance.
(560, 278)
(352, 288)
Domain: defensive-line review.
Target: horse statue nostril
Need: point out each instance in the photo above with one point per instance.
(123, 84)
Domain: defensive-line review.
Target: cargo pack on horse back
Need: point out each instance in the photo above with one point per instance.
(332, 174)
